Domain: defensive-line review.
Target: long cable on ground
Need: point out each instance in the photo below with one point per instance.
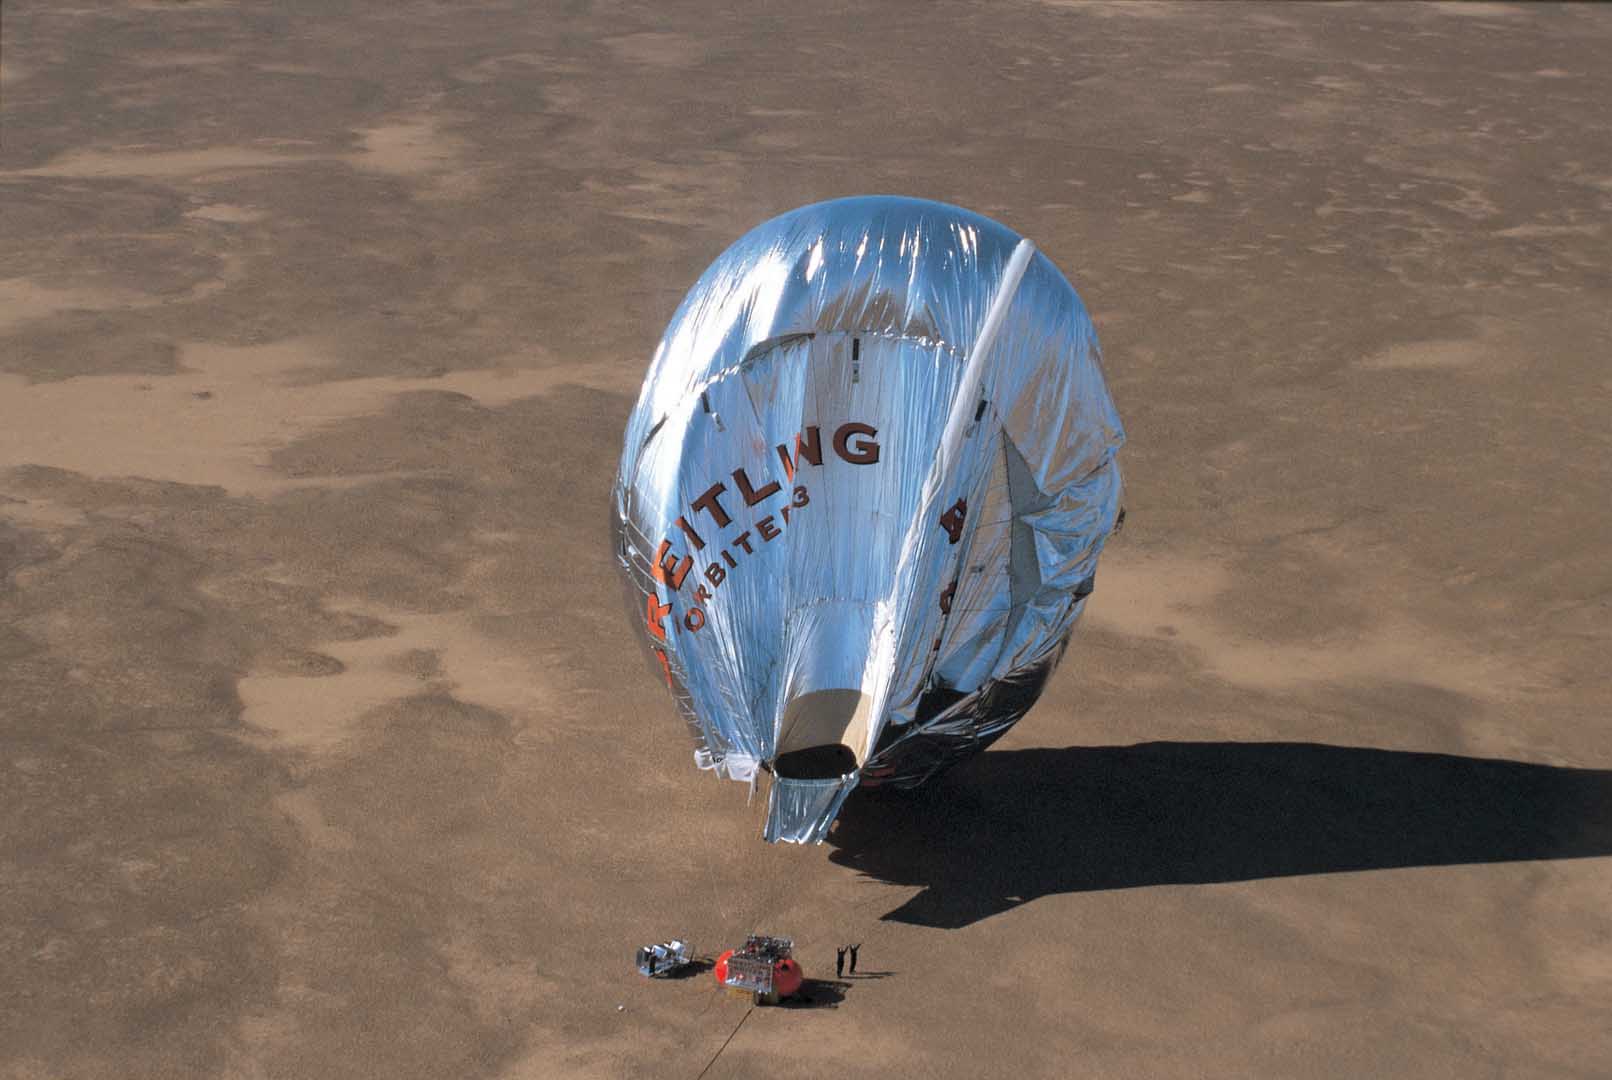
(725, 1042)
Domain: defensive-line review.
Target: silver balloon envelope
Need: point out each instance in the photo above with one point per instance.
(862, 497)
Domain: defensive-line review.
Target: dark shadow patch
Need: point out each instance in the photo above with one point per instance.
(1013, 826)
(817, 994)
(689, 970)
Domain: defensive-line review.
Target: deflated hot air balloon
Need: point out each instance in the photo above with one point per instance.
(862, 497)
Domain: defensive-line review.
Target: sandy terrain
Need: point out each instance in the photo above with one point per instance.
(325, 749)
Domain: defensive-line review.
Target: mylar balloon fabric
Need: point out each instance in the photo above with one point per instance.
(862, 497)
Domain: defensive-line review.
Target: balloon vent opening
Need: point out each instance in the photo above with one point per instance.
(820, 727)
(822, 742)
(816, 763)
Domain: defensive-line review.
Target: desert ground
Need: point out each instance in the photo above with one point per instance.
(326, 747)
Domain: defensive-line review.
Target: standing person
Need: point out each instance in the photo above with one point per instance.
(839, 962)
(855, 947)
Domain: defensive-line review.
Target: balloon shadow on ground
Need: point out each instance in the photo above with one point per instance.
(1014, 825)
